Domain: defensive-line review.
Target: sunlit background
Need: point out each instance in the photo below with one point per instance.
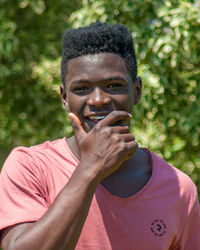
(167, 43)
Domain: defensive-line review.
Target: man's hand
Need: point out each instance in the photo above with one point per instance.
(105, 147)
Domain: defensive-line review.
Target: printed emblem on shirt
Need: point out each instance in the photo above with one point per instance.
(158, 227)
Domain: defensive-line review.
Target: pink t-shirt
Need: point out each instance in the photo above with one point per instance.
(164, 214)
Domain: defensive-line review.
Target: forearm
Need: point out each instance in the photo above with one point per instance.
(61, 225)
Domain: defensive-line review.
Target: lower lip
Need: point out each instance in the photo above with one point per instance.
(96, 121)
(91, 123)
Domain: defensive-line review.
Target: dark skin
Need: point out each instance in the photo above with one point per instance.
(117, 94)
(99, 97)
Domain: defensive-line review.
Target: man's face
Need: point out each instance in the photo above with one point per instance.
(97, 85)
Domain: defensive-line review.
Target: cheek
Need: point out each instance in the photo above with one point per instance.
(125, 101)
(75, 104)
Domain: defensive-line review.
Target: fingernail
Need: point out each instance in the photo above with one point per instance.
(70, 115)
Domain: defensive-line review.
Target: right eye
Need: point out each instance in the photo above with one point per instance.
(81, 90)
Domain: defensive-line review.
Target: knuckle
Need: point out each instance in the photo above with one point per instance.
(98, 127)
(115, 113)
(116, 137)
(107, 131)
(133, 137)
(123, 147)
(135, 146)
(74, 125)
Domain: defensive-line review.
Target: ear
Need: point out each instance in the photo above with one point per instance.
(137, 85)
(64, 98)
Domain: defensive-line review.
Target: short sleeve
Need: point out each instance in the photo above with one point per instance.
(22, 197)
(190, 238)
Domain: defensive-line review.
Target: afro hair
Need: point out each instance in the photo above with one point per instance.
(98, 38)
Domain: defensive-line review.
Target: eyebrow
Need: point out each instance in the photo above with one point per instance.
(113, 78)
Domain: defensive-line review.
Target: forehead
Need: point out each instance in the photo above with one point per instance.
(96, 67)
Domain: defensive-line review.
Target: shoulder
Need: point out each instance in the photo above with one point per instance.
(30, 159)
(169, 170)
(172, 179)
(23, 153)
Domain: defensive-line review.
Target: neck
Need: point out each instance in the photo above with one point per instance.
(73, 145)
(133, 164)
(129, 178)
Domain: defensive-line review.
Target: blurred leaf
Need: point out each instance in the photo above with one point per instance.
(167, 43)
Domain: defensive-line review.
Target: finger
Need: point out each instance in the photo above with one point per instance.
(77, 126)
(116, 116)
(131, 148)
(127, 137)
(120, 129)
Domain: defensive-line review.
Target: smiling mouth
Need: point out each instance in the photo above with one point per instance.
(96, 118)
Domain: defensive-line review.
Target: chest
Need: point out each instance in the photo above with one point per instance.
(128, 182)
(115, 223)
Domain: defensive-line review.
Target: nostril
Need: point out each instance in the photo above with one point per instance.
(98, 98)
(98, 102)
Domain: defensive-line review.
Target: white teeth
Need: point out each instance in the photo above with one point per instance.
(98, 117)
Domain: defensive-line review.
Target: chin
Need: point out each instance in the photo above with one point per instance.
(87, 127)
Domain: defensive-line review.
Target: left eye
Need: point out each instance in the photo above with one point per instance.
(114, 85)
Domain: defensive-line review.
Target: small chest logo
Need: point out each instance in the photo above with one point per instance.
(158, 227)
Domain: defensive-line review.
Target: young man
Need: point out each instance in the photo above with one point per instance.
(97, 189)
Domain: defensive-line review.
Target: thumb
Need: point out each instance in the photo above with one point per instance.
(77, 126)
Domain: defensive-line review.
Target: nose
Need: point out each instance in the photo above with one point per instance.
(98, 98)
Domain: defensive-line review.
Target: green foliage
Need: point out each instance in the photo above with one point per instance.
(30, 49)
(167, 42)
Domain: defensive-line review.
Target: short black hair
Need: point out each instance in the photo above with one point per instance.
(98, 38)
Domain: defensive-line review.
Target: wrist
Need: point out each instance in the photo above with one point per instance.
(84, 178)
